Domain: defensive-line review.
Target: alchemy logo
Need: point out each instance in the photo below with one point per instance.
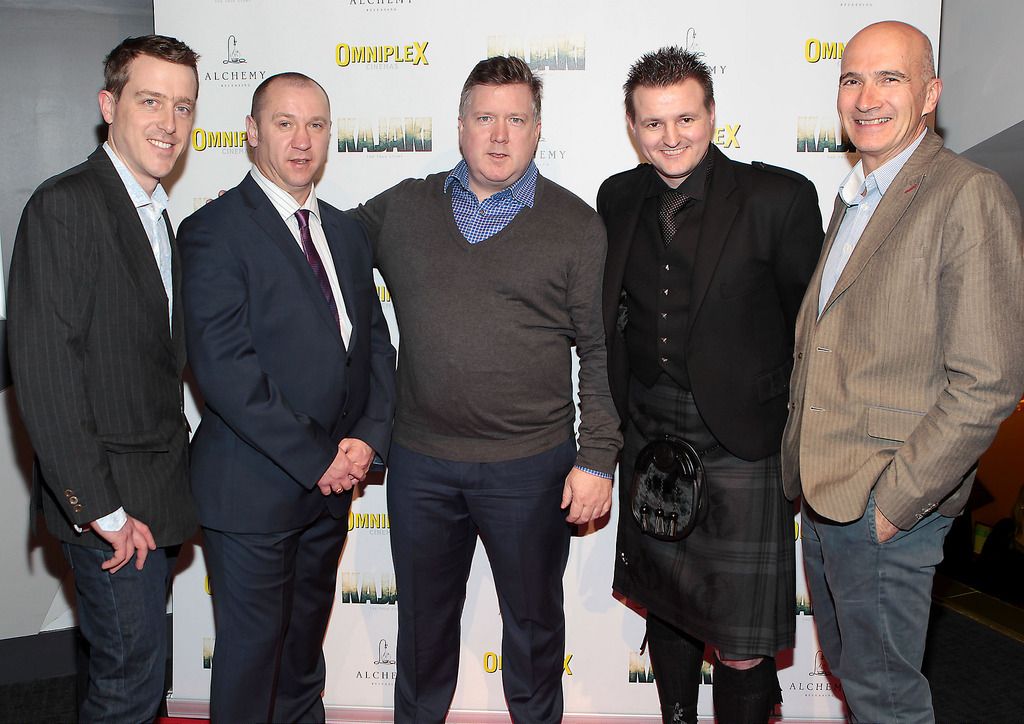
(387, 134)
(363, 588)
(817, 134)
(413, 54)
(233, 75)
(559, 52)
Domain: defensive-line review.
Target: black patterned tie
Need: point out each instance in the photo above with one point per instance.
(669, 204)
(315, 262)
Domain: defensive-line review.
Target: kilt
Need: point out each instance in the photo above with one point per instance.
(732, 582)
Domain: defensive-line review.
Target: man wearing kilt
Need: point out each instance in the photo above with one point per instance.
(708, 260)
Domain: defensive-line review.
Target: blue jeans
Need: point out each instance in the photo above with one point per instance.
(123, 617)
(871, 605)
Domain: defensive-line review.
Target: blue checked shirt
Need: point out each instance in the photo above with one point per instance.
(482, 220)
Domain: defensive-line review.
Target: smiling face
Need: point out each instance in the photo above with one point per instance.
(884, 94)
(289, 137)
(150, 122)
(672, 127)
(498, 136)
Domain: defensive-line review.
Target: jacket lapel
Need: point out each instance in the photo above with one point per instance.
(265, 216)
(130, 239)
(720, 211)
(894, 204)
(621, 220)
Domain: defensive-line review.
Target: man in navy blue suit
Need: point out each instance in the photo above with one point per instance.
(291, 351)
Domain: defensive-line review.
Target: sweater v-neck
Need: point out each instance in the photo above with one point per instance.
(456, 233)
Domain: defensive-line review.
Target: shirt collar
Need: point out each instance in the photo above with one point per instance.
(137, 194)
(523, 191)
(855, 186)
(693, 186)
(283, 201)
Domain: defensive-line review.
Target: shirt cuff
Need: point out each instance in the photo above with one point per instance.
(598, 473)
(111, 522)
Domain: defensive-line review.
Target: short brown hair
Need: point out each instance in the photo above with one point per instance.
(503, 70)
(668, 66)
(291, 78)
(162, 47)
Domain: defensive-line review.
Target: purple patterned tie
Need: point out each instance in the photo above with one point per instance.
(315, 263)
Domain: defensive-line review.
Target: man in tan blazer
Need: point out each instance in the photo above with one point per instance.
(909, 354)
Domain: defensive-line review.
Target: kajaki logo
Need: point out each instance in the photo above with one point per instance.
(821, 134)
(405, 134)
(413, 54)
(549, 52)
(356, 587)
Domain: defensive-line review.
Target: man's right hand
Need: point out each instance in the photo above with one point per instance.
(336, 478)
(134, 538)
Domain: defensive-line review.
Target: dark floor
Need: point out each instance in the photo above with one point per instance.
(974, 661)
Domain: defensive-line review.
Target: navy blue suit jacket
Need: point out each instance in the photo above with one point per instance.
(280, 388)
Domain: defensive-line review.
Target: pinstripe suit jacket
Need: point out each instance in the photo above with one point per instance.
(97, 372)
(918, 355)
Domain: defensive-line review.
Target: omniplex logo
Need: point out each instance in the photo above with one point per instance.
(415, 53)
(492, 663)
(203, 139)
(815, 50)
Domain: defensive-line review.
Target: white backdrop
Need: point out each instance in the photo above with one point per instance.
(776, 68)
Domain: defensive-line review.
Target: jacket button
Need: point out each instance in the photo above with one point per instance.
(799, 355)
(73, 500)
(348, 361)
(68, 493)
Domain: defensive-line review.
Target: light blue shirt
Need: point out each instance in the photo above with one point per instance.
(861, 196)
(151, 210)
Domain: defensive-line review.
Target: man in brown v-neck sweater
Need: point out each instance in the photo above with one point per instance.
(495, 272)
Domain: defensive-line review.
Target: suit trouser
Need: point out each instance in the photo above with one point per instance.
(123, 617)
(272, 597)
(437, 509)
(871, 605)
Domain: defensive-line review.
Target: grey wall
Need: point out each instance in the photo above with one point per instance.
(52, 58)
(51, 54)
(981, 111)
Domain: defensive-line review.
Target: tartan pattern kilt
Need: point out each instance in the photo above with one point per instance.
(732, 582)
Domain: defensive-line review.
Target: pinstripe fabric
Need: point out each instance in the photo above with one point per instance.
(917, 356)
(96, 372)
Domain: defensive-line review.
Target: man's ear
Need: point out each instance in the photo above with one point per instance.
(107, 103)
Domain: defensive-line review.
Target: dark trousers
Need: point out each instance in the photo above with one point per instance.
(438, 508)
(871, 606)
(123, 617)
(272, 597)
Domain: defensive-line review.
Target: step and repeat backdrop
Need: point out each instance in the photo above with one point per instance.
(394, 70)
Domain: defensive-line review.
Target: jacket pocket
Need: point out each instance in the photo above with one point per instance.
(152, 441)
(889, 423)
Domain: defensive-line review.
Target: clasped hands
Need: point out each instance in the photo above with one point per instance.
(349, 467)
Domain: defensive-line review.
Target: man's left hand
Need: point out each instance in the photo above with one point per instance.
(587, 496)
(360, 454)
(884, 530)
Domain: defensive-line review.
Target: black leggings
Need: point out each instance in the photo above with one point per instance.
(740, 697)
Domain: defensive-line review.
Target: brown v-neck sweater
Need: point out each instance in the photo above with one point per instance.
(484, 368)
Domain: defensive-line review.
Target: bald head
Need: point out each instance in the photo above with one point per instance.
(887, 89)
(912, 43)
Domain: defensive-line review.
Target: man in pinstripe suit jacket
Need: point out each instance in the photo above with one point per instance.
(908, 357)
(97, 349)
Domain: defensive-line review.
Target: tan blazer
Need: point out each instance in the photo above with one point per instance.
(918, 355)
